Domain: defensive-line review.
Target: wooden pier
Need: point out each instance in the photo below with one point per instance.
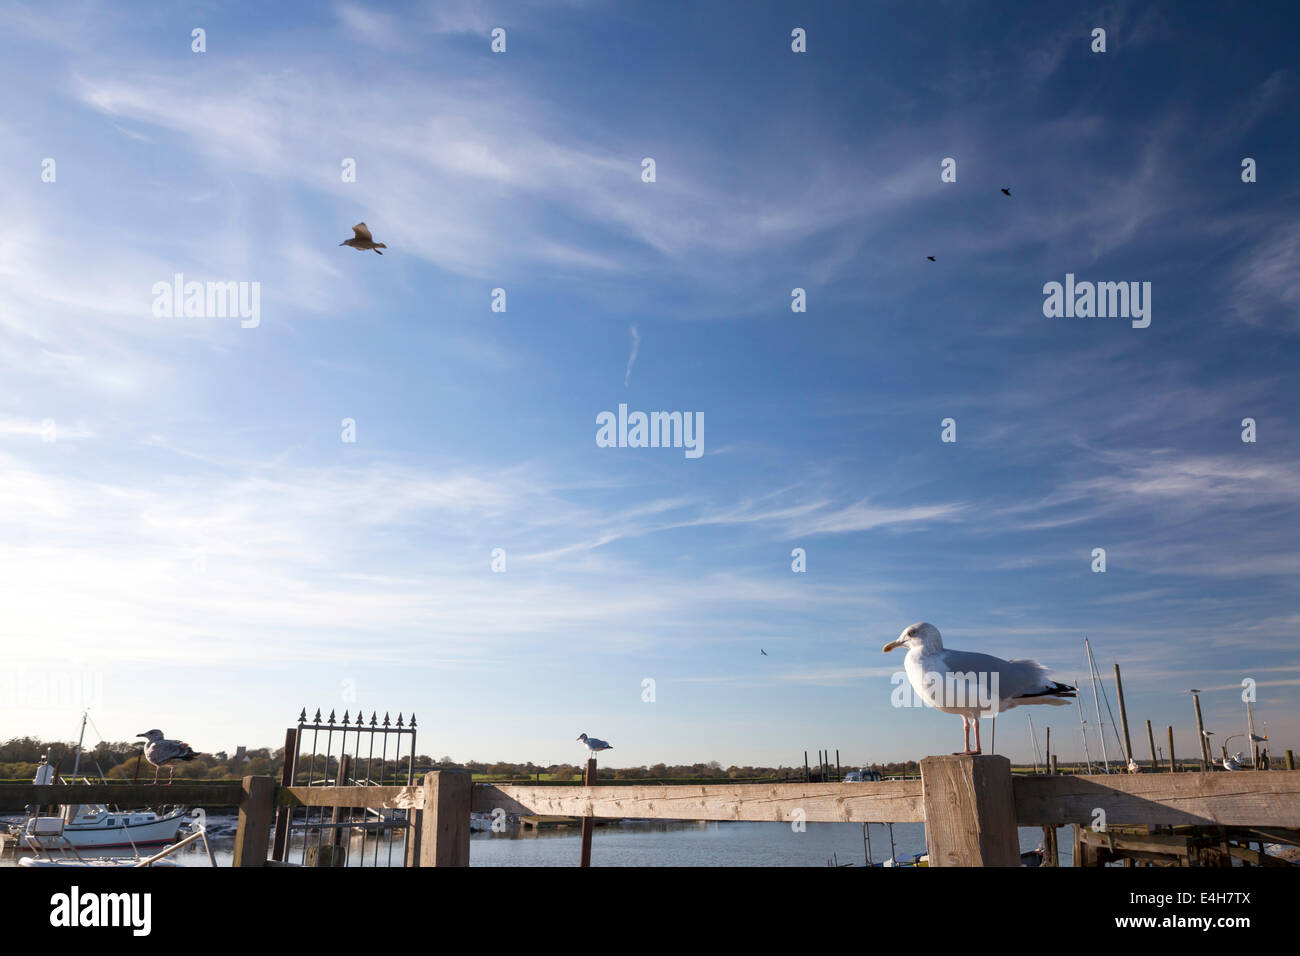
(971, 807)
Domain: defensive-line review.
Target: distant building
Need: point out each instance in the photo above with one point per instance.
(241, 752)
(221, 756)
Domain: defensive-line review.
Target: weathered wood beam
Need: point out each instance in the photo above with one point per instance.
(386, 798)
(970, 813)
(1246, 798)
(895, 801)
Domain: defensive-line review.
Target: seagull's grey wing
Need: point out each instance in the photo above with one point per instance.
(363, 232)
(165, 750)
(1015, 678)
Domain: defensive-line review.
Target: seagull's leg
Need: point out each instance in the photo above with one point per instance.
(155, 775)
(965, 728)
(976, 718)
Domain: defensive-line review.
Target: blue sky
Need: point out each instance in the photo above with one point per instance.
(201, 551)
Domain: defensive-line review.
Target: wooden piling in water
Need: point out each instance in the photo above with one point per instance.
(1290, 760)
(588, 822)
(1173, 767)
(1123, 718)
(1151, 742)
(1200, 734)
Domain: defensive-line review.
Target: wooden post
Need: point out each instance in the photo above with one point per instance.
(1290, 760)
(1051, 853)
(1052, 768)
(588, 823)
(1047, 752)
(337, 856)
(1200, 734)
(444, 831)
(1151, 742)
(1173, 766)
(970, 813)
(1123, 718)
(281, 845)
(256, 810)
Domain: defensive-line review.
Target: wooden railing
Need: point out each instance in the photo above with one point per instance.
(971, 806)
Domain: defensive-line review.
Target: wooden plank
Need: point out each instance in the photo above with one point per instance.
(444, 836)
(256, 811)
(970, 810)
(895, 801)
(15, 796)
(1245, 798)
(385, 798)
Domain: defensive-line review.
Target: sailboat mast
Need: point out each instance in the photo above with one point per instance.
(1033, 739)
(77, 763)
(1096, 701)
(1083, 732)
(1254, 747)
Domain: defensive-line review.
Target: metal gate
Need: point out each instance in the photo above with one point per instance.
(356, 754)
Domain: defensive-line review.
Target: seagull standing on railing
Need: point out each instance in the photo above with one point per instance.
(159, 751)
(594, 746)
(964, 683)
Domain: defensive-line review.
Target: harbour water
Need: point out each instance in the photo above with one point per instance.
(651, 843)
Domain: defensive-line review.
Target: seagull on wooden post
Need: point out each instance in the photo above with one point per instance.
(594, 746)
(972, 685)
(363, 239)
(159, 751)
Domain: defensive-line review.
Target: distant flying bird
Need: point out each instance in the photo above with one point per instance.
(931, 258)
(963, 683)
(363, 239)
(594, 746)
(159, 751)
(1006, 192)
(763, 652)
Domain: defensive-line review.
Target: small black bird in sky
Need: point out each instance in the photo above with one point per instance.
(763, 652)
(1006, 192)
(363, 239)
(931, 258)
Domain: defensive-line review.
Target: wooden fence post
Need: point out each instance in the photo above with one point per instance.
(280, 848)
(443, 833)
(256, 811)
(588, 823)
(970, 811)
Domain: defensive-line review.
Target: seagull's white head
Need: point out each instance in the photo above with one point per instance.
(582, 737)
(151, 735)
(918, 635)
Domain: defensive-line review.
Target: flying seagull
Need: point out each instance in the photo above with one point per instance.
(931, 258)
(363, 239)
(594, 746)
(1006, 192)
(972, 685)
(159, 751)
(763, 652)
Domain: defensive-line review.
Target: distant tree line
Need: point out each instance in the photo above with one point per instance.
(20, 756)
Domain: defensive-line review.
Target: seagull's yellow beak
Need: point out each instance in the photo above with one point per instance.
(899, 642)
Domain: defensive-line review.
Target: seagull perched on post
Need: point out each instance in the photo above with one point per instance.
(594, 746)
(972, 685)
(159, 751)
(363, 239)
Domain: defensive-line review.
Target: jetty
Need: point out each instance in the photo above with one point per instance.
(971, 807)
